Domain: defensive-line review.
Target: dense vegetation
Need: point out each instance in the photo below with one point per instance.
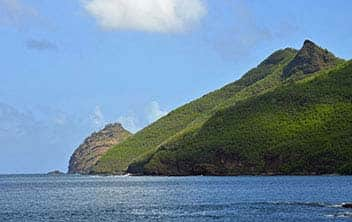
(192, 115)
(229, 131)
(301, 128)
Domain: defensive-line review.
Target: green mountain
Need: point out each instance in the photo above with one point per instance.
(288, 115)
(302, 128)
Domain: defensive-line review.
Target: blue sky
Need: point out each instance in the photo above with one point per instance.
(71, 66)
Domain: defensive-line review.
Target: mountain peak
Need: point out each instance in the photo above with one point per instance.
(310, 59)
(308, 42)
(113, 126)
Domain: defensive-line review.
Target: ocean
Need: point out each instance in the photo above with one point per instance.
(127, 198)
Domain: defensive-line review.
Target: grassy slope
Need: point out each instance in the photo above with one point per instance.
(191, 116)
(301, 128)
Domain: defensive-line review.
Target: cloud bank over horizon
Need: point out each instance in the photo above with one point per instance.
(163, 16)
(42, 138)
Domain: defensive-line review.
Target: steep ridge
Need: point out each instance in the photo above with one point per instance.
(94, 146)
(301, 128)
(147, 165)
(191, 116)
(204, 136)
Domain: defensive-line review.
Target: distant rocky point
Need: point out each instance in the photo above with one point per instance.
(94, 146)
(55, 172)
(347, 205)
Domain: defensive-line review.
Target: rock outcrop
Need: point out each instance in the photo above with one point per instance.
(310, 59)
(94, 146)
(347, 205)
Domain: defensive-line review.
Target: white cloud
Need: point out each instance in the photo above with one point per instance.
(129, 122)
(154, 112)
(98, 118)
(134, 123)
(14, 12)
(166, 16)
(40, 44)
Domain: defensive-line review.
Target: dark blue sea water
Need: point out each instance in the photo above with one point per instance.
(95, 198)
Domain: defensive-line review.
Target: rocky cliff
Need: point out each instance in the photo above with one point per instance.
(310, 59)
(94, 146)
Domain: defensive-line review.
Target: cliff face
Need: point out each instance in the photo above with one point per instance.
(94, 146)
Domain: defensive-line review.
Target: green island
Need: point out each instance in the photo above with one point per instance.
(291, 115)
